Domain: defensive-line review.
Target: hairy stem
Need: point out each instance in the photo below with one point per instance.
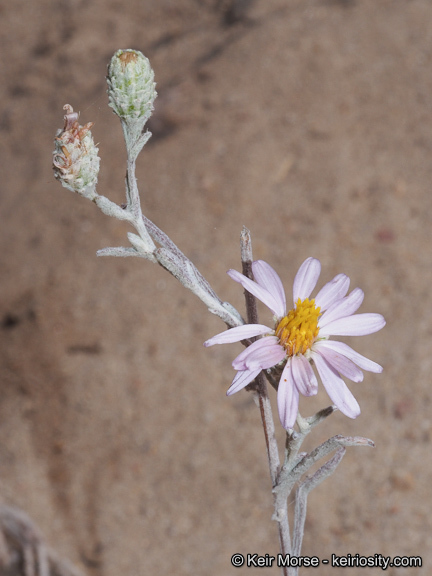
(260, 386)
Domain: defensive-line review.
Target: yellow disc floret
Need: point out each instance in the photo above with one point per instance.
(298, 330)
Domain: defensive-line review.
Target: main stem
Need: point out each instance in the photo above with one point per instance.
(264, 403)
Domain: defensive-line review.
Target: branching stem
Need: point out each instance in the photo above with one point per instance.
(154, 245)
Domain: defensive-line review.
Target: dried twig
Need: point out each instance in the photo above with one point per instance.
(23, 551)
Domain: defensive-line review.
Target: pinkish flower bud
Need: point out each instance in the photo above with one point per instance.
(75, 158)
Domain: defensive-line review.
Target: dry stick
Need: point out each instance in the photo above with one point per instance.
(264, 401)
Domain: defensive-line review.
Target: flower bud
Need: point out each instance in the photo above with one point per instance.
(131, 86)
(75, 158)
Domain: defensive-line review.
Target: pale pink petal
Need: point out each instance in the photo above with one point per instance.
(358, 325)
(258, 291)
(266, 357)
(354, 356)
(287, 398)
(242, 379)
(238, 333)
(342, 308)
(238, 363)
(340, 363)
(332, 291)
(268, 278)
(336, 388)
(306, 279)
(304, 376)
(263, 353)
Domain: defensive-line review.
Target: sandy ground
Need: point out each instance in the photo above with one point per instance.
(308, 121)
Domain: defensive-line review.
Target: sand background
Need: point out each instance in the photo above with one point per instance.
(308, 121)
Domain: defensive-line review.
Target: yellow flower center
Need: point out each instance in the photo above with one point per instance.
(298, 330)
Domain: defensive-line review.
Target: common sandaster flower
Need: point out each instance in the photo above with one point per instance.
(301, 336)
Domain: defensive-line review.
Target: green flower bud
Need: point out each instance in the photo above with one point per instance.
(75, 158)
(131, 86)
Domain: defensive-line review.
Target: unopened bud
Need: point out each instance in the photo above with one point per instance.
(131, 86)
(75, 158)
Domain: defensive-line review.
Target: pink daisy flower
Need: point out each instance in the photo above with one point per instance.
(300, 337)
